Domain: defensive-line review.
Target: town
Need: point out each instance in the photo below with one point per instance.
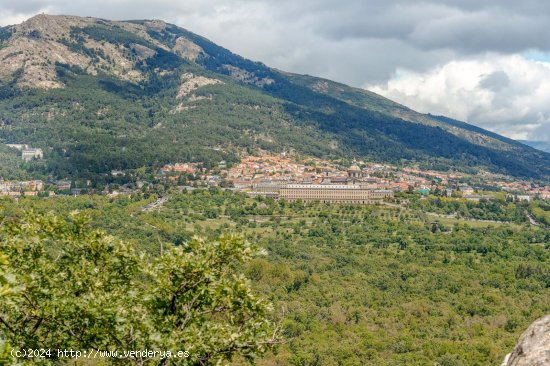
(292, 177)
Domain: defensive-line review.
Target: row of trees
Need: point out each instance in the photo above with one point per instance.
(495, 209)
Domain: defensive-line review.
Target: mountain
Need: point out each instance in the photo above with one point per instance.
(97, 95)
(539, 145)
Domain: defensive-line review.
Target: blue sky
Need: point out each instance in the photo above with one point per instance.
(536, 55)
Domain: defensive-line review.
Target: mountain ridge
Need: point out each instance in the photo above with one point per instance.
(539, 145)
(159, 82)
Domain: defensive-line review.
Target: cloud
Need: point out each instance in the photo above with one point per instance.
(504, 94)
(8, 17)
(495, 81)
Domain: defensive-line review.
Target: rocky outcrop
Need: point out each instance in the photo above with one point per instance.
(30, 51)
(187, 49)
(533, 348)
(247, 77)
(191, 82)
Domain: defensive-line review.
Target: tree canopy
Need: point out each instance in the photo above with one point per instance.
(65, 285)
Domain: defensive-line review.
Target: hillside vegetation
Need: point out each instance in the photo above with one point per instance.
(118, 95)
(354, 285)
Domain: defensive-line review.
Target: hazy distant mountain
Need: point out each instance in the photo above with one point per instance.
(99, 95)
(540, 145)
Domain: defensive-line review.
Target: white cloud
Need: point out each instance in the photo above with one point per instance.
(8, 17)
(504, 94)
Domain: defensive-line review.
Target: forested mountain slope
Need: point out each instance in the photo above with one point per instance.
(99, 95)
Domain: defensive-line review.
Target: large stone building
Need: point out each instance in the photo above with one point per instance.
(355, 172)
(267, 189)
(29, 154)
(332, 193)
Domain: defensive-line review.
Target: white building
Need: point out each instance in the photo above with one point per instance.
(18, 146)
(333, 193)
(29, 154)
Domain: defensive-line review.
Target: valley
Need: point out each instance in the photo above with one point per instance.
(391, 285)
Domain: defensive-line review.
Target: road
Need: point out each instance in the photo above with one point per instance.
(151, 206)
(532, 220)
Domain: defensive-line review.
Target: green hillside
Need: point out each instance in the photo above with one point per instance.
(355, 284)
(12, 165)
(91, 112)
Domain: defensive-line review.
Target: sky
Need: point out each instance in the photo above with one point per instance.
(486, 62)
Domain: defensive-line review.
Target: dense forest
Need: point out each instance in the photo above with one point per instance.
(353, 285)
(496, 209)
(11, 166)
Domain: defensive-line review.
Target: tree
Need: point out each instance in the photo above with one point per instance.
(82, 289)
